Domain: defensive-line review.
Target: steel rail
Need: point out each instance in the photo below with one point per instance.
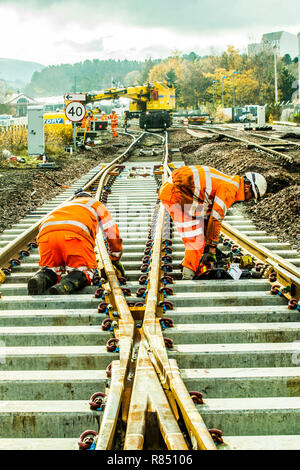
(152, 362)
(258, 146)
(287, 273)
(263, 136)
(28, 235)
(126, 323)
(278, 140)
(163, 396)
(165, 388)
(124, 331)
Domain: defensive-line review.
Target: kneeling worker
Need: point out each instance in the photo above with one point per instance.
(197, 198)
(66, 242)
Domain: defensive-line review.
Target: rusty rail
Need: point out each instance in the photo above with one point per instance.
(12, 248)
(279, 155)
(287, 273)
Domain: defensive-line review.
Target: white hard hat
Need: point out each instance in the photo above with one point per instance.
(258, 184)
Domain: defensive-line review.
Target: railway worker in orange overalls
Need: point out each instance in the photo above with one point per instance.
(104, 116)
(66, 242)
(197, 198)
(113, 122)
(92, 117)
(86, 121)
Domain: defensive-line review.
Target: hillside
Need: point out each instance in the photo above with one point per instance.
(85, 76)
(20, 71)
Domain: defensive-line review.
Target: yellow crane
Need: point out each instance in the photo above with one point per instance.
(152, 103)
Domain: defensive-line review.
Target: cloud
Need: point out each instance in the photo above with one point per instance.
(88, 47)
(55, 31)
(188, 16)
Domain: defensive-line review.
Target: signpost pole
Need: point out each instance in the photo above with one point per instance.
(74, 135)
(75, 112)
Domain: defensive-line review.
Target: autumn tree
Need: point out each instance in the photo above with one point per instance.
(195, 85)
(131, 79)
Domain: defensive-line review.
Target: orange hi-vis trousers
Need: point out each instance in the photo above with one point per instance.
(190, 228)
(114, 130)
(65, 251)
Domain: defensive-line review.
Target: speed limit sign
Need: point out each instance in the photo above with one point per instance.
(75, 111)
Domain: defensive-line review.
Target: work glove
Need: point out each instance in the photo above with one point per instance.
(208, 259)
(119, 268)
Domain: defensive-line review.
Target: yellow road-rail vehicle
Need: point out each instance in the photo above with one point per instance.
(152, 104)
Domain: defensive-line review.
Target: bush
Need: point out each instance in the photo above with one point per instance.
(297, 118)
(57, 137)
(273, 111)
(15, 139)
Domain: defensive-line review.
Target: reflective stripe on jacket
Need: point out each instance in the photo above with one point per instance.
(212, 190)
(83, 215)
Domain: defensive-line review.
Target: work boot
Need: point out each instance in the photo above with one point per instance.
(187, 274)
(40, 282)
(70, 283)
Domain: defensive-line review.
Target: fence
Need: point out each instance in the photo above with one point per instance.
(15, 121)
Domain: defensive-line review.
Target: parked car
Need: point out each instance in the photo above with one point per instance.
(200, 118)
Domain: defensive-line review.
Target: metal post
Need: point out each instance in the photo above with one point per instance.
(233, 89)
(299, 68)
(74, 135)
(233, 95)
(215, 81)
(275, 73)
(223, 92)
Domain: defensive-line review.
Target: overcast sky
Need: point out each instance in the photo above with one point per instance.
(68, 31)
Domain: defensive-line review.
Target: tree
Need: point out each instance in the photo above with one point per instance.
(7, 109)
(90, 75)
(286, 85)
(144, 74)
(286, 59)
(195, 85)
(246, 87)
(231, 59)
(191, 57)
(131, 79)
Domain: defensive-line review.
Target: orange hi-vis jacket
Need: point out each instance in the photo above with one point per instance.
(113, 119)
(197, 198)
(104, 117)
(84, 216)
(86, 122)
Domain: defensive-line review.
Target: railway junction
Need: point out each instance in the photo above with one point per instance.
(151, 361)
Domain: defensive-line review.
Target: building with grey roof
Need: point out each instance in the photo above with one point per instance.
(282, 41)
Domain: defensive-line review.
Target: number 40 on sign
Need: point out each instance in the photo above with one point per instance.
(75, 111)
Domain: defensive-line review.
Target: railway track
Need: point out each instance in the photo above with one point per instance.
(232, 341)
(283, 150)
